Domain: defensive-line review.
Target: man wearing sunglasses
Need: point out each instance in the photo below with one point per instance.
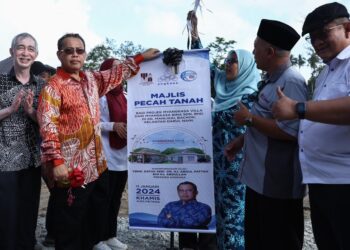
(69, 115)
(324, 132)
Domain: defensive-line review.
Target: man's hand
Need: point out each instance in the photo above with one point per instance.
(60, 173)
(16, 102)
(120, 128)
(241, 115)
(232, 148)
(150, 54)
(284, 107)
(28, 103)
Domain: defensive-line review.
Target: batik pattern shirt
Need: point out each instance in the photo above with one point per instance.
(69, 115)
(19, 134)
(191, 214)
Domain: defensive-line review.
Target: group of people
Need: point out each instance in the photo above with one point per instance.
(269, 142)
(84, 196)
(276, 141)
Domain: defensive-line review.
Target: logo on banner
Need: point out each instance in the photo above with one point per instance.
(147, 79)
(168, 78)
(188, 75)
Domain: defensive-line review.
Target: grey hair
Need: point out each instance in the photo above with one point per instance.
(278, 51)
(22, 36)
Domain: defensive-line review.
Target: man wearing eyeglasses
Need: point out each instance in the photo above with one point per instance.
(69, 115)
(324, 133)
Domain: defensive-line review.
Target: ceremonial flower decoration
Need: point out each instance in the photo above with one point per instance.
(173, 57)
(76, 180)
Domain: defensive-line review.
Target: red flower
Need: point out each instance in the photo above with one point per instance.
(76, 178)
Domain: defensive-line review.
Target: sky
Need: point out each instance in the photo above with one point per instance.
(150, 23)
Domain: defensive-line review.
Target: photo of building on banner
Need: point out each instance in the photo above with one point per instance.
(170, 166)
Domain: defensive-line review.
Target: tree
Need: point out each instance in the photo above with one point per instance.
(110, 49)
(219, 50)
(315, 63)
(127, 48)
(299, 61)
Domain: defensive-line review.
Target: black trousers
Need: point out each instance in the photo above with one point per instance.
(83, 224)
(273, 224)
(19, 204)
(200, 241)
(49, 222)
(117, 182)
(330, 215)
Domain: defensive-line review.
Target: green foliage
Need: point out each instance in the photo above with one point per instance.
(219, 50)
(127, 48)
(316, 65)
(298, 61)
(196, 150)
(170, 151)
(301, 61)
(110, 49)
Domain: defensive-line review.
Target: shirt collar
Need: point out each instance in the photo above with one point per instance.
(33, 79)
(274, 77)
(344, 54)
(66, 76)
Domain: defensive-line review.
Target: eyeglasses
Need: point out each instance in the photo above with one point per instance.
(71, 51)
(230, 61)
(321, 34)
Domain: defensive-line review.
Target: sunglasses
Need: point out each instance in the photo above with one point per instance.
(71, 51)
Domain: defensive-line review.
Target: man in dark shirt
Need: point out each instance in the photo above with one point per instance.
(19, 147)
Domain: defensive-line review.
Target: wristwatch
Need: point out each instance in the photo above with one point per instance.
(300, 108)
(248, 121)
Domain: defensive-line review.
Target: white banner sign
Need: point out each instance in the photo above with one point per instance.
(170, 146)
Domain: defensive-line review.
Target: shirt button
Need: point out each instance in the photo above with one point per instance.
(332, 69)
(301, 131)
(325, 85)
(302, 150)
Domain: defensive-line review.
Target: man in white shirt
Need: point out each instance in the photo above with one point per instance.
(324, 132)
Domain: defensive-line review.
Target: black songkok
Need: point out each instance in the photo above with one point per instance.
(278, 34)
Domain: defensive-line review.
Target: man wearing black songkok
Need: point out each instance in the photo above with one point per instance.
(270, 167)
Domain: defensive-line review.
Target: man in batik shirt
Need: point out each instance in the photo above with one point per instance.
(186, 212)
(20, 175)
(68, 115)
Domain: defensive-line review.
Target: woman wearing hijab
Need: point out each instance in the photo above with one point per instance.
(232, 85)
(113, 108)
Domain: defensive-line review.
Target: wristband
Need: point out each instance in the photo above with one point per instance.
(300, 108)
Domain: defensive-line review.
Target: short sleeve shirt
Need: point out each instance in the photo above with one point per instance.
(271, 167)
(324, 148)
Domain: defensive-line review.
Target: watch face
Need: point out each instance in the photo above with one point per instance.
(300, 109)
